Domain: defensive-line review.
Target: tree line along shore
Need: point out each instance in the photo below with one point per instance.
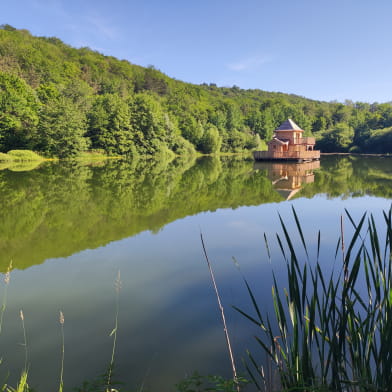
(61, 101)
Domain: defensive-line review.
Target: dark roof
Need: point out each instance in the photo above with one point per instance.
(288, 125)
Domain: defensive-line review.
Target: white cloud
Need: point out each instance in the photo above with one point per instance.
(249, 63)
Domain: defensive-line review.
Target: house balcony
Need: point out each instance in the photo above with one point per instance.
(309, 141)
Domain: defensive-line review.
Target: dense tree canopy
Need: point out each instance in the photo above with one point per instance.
(59, 101)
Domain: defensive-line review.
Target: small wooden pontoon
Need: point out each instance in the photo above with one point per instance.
(288, 144)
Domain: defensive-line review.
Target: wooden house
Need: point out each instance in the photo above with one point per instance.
(288, 144)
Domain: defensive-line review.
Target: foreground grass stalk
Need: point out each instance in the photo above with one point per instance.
(21, 387)
(331, 332)
(61, 320)
(114, 331)
(24, 339)
(233, 366)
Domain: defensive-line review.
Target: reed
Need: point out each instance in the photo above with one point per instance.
(21, 314)
(61, 321)
(117, 284)
(330, 331)
(225, 329)
(21, 387)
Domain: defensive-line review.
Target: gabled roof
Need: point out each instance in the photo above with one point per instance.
(289, 125)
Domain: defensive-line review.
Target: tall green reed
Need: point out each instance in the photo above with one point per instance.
(61, 321)
(117, 284)
(21, 387)
(22, 318)
(330, 331)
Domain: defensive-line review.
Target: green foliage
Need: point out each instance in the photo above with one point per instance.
(115, 199)
(153, 129)
(233, 116)
(181, 146)
(18, 112)
(21, 387)
(127, 109)
(24, 155)
(332, 331)
(379, 141)
(211, 141)
(191, 129)
(61, 129)
(261, 122)
(199, 383)
(118, 199)
(338, 139)
(100, 384)
(5, 157)
(109, 125)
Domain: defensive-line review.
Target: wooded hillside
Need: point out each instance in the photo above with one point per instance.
(61, 101)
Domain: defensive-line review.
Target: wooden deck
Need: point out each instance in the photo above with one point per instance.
(296, 156)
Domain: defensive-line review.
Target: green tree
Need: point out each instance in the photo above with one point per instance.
(152, 128)
(233, 116)
(320, 124)
(109, 125)
(18, 113)
(191, 129)
(338, 139)
(62, 128)
(211, 141)
(379, 141)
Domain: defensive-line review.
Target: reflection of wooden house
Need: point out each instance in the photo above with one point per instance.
(288, 178)
(288, 144)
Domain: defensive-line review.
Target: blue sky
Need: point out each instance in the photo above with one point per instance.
(325, 50)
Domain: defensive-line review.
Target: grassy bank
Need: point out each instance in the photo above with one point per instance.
(20, 156)
(20, 160)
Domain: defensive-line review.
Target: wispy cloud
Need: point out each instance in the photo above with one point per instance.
(102, 27)
(249, 63)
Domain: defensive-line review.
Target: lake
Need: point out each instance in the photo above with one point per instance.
(69, 228)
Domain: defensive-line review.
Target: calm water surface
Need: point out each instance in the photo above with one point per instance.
(68, 229)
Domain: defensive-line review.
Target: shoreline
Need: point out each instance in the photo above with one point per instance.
(386, 155)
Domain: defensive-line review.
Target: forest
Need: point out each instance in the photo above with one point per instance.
(61, 101)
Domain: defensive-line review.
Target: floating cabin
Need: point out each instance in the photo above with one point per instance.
(288, 144)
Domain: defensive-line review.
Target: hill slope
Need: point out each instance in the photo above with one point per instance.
(60, 101)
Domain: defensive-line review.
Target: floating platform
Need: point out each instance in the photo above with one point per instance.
(287, 156)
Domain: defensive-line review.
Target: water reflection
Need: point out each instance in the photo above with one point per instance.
(288, 178)
(60, 209)
(69, 228)
(63, 208)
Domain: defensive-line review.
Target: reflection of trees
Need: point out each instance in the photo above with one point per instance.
(351, 176)
(60, 209)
